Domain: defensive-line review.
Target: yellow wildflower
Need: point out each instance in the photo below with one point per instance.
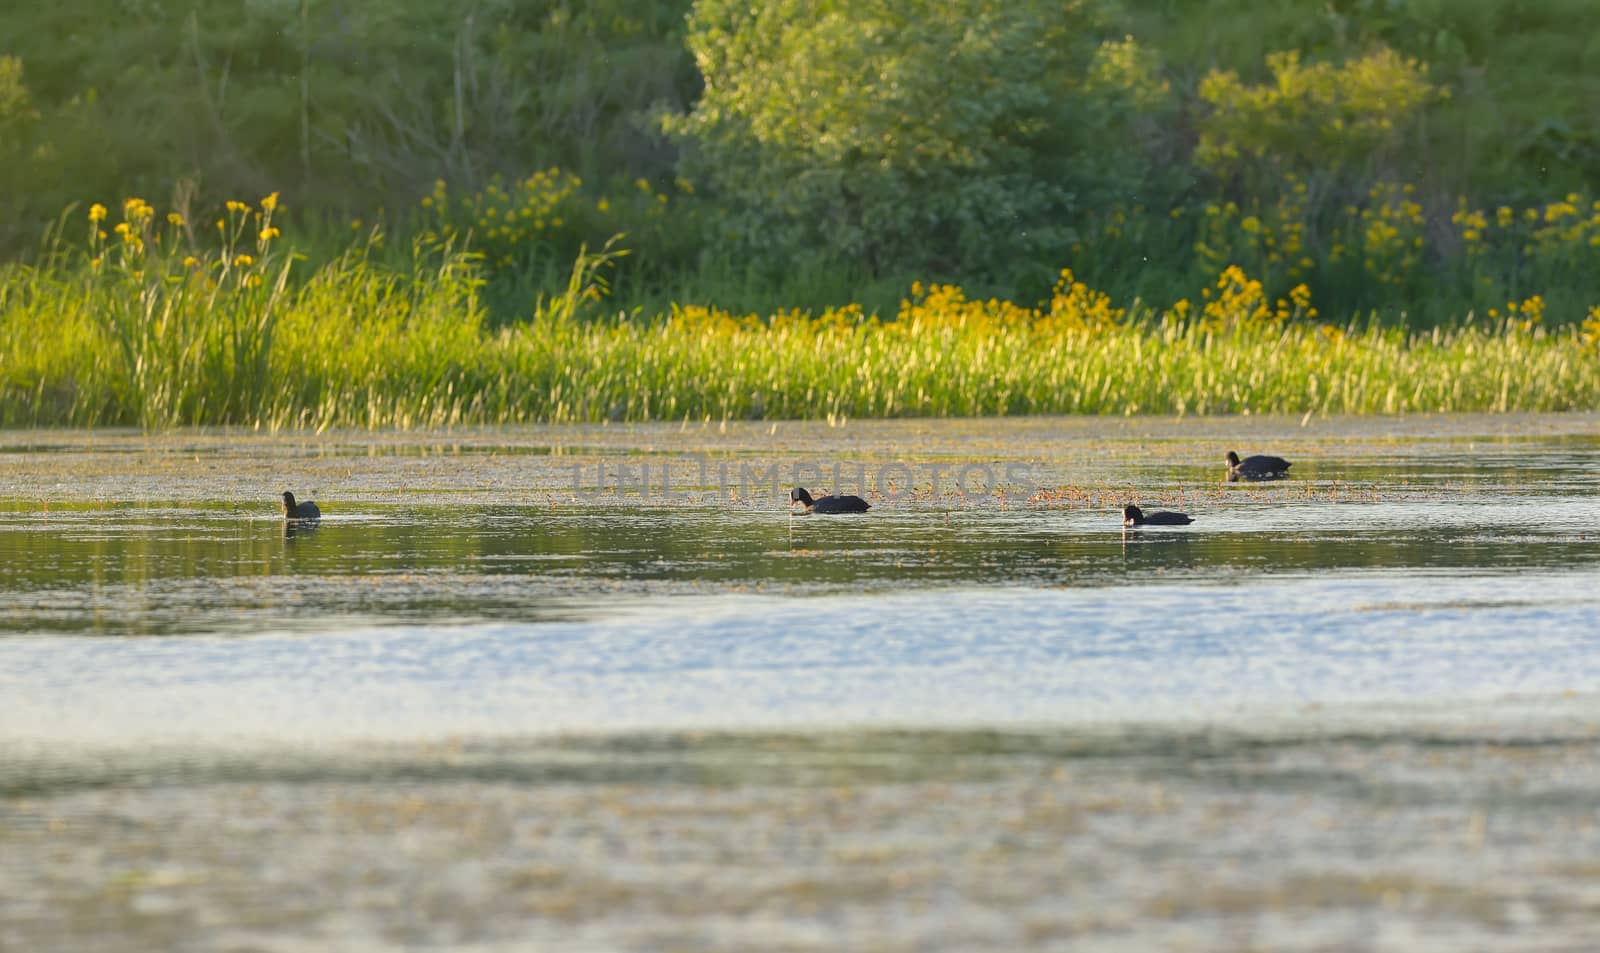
(97, 212)
(243, 261)
(1591, 326)
(270, 202)
(1533, 310)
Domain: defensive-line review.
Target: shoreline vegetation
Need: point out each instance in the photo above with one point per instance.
(725, 209)
(141, 330)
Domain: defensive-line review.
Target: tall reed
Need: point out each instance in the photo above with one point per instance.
(154, 328)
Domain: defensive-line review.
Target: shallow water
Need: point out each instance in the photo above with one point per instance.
(595, 688)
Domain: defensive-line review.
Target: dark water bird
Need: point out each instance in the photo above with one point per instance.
(1258, 467)
(1133, 516)
(299, 511)
(828, 504)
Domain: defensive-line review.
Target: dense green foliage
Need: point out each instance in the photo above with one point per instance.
(1523, 118)
(344, 107)
(977, 141)
(935, 135)
(1424, 163)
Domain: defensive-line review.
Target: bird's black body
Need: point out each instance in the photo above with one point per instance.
(299, 511)
(828, 504)
(1133, 516)
(1259, 467)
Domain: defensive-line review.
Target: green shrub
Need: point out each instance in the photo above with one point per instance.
(934, 135)
(1312, 119)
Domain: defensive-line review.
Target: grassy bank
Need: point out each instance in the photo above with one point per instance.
(149, 329)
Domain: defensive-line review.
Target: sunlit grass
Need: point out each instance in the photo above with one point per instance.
(942, 355)
(155, 327)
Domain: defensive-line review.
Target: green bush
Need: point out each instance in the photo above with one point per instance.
(944, 136)
(1312, 118)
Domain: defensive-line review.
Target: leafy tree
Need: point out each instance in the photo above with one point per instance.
(1316, 118)
(927, 134)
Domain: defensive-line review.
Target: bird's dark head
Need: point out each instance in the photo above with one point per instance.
(288, 502)
(1233, 459)
(799, 495)
(1132, 515)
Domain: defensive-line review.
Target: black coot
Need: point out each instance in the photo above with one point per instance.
(1133, 516)
(828, 504)
(1258, 467)
(299, 511)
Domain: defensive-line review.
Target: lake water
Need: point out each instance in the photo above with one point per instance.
(596, 689)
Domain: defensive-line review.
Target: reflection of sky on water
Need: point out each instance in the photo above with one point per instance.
(1018, 657)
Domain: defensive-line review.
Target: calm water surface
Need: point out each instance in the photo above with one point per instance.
(596, 689)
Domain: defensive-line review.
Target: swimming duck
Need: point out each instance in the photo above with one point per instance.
(299, 511)
(1258, 467)
(1133, 516)
(828, 504)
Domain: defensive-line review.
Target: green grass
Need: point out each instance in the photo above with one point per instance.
(149, 340)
